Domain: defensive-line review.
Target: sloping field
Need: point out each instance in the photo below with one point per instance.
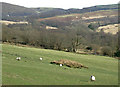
(100, 14)
(113, 28)
(84, 16)
(31, 71)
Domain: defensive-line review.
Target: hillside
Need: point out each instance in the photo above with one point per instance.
(31, 71)
(102, 7)
(10, 11)
(113, 29)
(84, 40)
(57, 11)
(60, 29)
(15, 10)
(97, 18)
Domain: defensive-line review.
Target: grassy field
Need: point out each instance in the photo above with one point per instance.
(31, 71)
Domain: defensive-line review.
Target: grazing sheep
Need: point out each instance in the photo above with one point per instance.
(41, 58)
(92, 78)
(18, 58)
(60, 64)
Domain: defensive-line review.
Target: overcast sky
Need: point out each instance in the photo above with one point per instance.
(60, 3)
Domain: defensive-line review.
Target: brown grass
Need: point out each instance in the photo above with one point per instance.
(12, 22)
(84, 16)
(113, 28)
(69, 63)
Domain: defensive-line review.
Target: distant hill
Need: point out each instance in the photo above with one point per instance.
(50, 12)
(94, 8)
(9, 11)
(15, 12)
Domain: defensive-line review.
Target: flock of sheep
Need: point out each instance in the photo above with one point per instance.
(19, 58)
(92, 78)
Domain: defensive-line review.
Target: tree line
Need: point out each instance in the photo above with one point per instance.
(70, 39)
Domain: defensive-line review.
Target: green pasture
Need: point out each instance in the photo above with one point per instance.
(31, 71)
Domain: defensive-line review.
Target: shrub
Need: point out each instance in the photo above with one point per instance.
(106, 51)
(117, 53)
(69, 63)
(89, 48)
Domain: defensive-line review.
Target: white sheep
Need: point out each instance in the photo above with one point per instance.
(60, 64)
(41, 58)
(18, 58)
(92, 78)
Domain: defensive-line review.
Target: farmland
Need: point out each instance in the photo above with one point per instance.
(56, 46)
(31, 71)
